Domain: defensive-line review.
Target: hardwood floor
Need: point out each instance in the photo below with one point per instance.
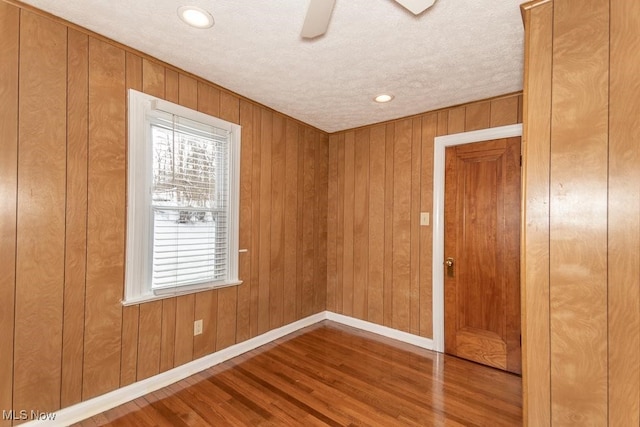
(330, 374)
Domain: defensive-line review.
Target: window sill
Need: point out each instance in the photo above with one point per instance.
(164, 294)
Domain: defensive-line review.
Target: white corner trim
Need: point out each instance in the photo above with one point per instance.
(381, 330)
(440, 143)
(97, 405)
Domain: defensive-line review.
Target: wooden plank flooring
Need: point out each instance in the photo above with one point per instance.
(330, 374)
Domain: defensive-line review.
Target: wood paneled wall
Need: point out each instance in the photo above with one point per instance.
(63, 172)
(380, 179)
(581, 239)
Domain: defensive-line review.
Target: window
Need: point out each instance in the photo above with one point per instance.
(182, 210)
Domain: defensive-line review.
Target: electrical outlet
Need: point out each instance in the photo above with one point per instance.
(197, 327)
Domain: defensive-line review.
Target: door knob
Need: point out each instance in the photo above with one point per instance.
(449, 263)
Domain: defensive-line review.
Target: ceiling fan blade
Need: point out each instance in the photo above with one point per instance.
(416, 6)
(317, 20)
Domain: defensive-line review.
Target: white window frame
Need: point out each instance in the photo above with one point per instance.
(139, 240)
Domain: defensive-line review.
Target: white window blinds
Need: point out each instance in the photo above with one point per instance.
(189, 201)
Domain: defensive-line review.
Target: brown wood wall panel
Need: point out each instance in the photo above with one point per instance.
(255, 221)
(106, 218)
(276, 289)
(395, 251)
(153, 78)
(226, 315)
(301, 224)
(9, 49)
(185, 316)
(321, 215)
(244, 268)
(264, 283)
(168, 338)
(375, 290)
(308, 227)
(361, 224)
(205, 309)
(578, 263)
(624, 221)
(536, 146)
(149, 339)
(41, 213)
(290, 220)
(349, 215)
(76, 217)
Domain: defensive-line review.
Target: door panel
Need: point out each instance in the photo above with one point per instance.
(482, 238)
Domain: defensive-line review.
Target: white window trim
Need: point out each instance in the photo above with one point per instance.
(139, 240)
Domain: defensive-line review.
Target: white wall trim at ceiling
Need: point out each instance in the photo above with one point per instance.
(440, 144)
(97, 405)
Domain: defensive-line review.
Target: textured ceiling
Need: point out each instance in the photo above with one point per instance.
(455, 52)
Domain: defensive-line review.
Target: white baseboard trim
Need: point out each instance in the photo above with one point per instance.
(381, 330)
(97, 405)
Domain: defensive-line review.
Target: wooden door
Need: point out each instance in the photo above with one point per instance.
(482, 242)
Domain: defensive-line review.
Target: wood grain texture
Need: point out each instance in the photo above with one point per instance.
(375, 291)
(340, 227)
(332, 224)
(536, 146)
(226, 314)
(477, 116)
(185, 316)
(321, 142)
(301, 224)
(290, 220)
(387, 313)
(504, 111)
(205, 309)
(308, 224)
(149, 339)
(264, 283)
(416, 158)
(348, 195)
(208, 98)
(578, 261)
(402, 226)
(282, 385)
(188, 93)
(106, 219)
(40, 261)
(168, 337)
(456, 120)
(152, 78)
(624, 222)
(171, 86)
(244, 269)
(255, 221)
(361, 224)
(76, 217)
(429, 132)
(276, 282)
(9, 65)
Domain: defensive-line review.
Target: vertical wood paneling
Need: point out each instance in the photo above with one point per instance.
(244, 268)
(208, 97)
(152, 78)
(349, 183)
(340, 228)
(76, 217)
(320, 237)
(477, 116)
(255, 220)
(388, 225)
(504, 111)
(332, 226)
(130, 314)
(168, 338)
(171, 86)
(106, 218)
(376, 225)
(149, 340)
(429, 132)
(308, 224)
(578, 262)
(290, 220)
(416, 158)
(301, 224)
(536, 148)
(265, 220)
(229, 107)
(185, 315)
(456, 120)
(41, 213)
(276, 288)
(624, 221)
(401, 253)
(9, 48)
(205, 309)
(226, 315)
(361, 224)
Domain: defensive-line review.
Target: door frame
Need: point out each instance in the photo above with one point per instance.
(440, 143)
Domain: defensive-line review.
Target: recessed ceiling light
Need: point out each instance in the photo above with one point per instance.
(383, 98)
(196, 17)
